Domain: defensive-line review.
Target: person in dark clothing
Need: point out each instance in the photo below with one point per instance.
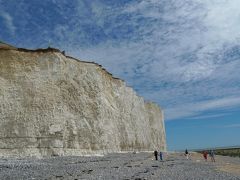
(161, 155)
(156, 155)
(186, 154)
(211, 154)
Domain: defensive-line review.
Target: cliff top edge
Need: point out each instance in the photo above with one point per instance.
(5, 46)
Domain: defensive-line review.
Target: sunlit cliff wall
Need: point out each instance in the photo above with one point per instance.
(51, 104)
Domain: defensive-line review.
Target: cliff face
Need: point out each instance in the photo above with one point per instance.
(51, 104)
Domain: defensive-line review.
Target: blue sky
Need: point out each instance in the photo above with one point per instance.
(182, 54)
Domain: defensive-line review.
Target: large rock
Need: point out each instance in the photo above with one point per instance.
(51, 104)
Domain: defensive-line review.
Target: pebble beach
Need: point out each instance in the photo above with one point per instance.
(125, 166)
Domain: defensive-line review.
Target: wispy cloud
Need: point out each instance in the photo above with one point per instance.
(182, 57)
(232, 126)
(8, 20)
(209, 116)
(196, 108)
(182, 54)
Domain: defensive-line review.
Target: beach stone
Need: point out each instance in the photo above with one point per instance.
(102, 168)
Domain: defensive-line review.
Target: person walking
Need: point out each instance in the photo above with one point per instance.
(156, 155)
(161, 156)
(205, 154)
(211, 154)
(186, 154)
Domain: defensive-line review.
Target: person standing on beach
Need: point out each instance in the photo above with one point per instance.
(161, 155)
(156, 155)
(186, 154)
(205, 155)
(211, 154)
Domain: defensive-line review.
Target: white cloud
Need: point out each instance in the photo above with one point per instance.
(8, 21)
(232, 126)
(194, 109)
(178, 59)
(209, 116)
(172, 52)
(223, 19)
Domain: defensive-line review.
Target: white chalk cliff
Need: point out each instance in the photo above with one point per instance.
(52, 104)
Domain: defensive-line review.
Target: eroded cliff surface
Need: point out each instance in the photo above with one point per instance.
(51, 104)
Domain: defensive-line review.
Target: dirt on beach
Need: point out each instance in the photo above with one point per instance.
(223, 163)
